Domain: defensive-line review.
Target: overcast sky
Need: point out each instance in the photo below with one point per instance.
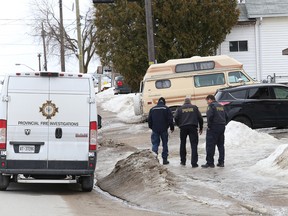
(17, 45)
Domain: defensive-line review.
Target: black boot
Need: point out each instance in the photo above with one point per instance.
(165, 162)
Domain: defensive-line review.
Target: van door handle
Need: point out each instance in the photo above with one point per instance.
(58, 133)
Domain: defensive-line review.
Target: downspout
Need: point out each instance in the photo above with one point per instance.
(259, 75)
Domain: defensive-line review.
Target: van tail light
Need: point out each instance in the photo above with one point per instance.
(119, 83)
(3, 127)
(224, 103)
(93, 136)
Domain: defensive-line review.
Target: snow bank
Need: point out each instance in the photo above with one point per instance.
(140, 171)
(143, 181)
(121, 104)
(239, 137)
(276, 165)
(238, 134)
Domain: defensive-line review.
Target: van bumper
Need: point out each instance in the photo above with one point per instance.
(46, 172)
(49, 167)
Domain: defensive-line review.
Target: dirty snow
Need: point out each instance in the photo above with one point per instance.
(255, 169)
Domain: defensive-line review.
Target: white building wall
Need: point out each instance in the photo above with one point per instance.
(274, 38)
(248, 58)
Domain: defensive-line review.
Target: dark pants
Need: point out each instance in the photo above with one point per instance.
(192, 132)
(215, 137)
(155, 139)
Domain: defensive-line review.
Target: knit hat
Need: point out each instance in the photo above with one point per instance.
(162, 100)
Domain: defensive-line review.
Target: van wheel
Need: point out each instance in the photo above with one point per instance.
(87, 183)
(137, 104)
(243, 120)
(4, 182)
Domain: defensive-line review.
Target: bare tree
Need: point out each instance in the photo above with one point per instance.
(47, 24)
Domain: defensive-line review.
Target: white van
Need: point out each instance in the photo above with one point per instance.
(48, 129)
(194, 77)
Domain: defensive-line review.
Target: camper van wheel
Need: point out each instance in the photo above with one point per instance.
(137, 104)
(4, 182)
(87, 183)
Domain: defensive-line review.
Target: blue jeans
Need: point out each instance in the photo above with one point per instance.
(155, 139)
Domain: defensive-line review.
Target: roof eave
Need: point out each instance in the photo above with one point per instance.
(255, 16)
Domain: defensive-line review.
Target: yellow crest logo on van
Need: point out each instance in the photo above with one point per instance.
(48, 109)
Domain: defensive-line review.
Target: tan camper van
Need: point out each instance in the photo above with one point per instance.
(194, 77)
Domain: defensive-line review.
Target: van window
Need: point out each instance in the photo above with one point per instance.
(209, 80)
(195, 66)
(161, 84)
(281, 93)
(235, 76)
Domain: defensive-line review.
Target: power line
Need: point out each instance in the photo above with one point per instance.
(7, 44)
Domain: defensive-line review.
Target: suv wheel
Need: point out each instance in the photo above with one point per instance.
(243, 120)
(87, 183)
(4, 182)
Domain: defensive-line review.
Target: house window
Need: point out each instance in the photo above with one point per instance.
(238, 46)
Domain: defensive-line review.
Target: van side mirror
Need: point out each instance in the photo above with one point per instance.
(99, 121)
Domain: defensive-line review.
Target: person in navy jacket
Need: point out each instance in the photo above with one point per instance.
(159, 120)
(216, 122)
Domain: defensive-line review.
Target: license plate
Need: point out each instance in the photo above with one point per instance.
(26, 149)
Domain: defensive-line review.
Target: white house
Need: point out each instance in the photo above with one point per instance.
(259, 39)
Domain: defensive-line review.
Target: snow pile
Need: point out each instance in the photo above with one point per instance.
(238, 134)
(239, 137)
(121, 104)
(141, 180)
(282, 159)
(138, 172)
(276, 164)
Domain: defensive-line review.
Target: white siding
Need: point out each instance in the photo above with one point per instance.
(242, 33)
(274, 38)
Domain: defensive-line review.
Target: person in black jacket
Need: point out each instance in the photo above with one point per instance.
(216, 122)
(187, 118)
(159, 120)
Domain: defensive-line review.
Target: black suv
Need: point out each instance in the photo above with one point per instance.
(257, 106)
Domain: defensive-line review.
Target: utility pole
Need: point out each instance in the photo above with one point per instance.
(62, 51)
(150, 32)
(79, 38)
(39, 61)
(43, 34)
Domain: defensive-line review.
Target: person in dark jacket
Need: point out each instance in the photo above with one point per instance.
(159, 120)
(216, 122)
(187, 118)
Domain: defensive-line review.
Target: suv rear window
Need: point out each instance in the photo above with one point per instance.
(239, 94)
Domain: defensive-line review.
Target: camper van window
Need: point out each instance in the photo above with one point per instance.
(236, 76)
(196, 66)
(209, 80)
(161, 84)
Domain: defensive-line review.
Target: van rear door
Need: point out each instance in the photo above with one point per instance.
(27, 134)
(69, 123)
